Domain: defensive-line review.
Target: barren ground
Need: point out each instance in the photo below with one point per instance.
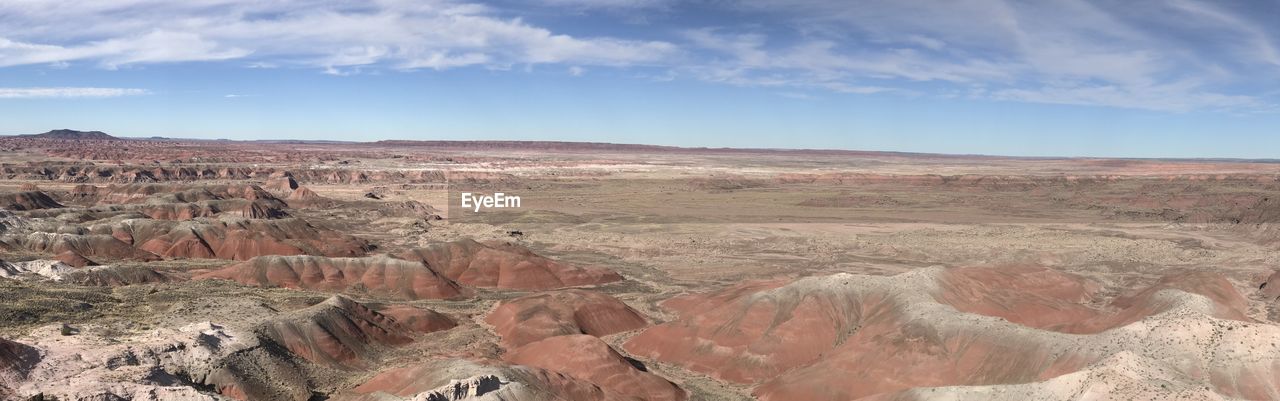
(698, 228)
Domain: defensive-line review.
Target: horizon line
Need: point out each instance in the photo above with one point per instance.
(424, 142)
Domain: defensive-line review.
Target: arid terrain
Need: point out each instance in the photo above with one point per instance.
(167, 269)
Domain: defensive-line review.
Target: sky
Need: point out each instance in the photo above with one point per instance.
(1117, 78)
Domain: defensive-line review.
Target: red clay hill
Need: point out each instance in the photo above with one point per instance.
(846, 337)
(535, 317)
(345, 333)
(378, 275)
(505, 266)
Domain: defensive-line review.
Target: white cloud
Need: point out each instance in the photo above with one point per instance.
(331, 35)
(68, 92)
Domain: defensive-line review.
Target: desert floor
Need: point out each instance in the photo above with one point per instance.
(766, 275)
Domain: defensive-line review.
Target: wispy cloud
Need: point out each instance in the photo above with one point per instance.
(68, 92)
(331, 35)
(1165, 55)
(607, 4)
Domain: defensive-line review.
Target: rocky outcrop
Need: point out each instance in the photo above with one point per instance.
(459, 379)
(198, 362)
(50, 269)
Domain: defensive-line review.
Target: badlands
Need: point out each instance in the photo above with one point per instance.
(166, 269)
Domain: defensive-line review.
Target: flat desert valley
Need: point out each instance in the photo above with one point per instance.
(165, 269)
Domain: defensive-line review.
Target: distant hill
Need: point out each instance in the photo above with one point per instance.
(72, 134)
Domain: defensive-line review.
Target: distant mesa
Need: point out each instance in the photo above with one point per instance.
(73, 134)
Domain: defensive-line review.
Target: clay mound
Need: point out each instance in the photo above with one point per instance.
(71, 258)
(304, 194)
(446, 380)
(283, 184)
(1029, 295)
(588, 358)
(117, 276)
(178, 211)
(235, 239)
(418, 319)
(507, 266)
(759, 334)
(305, 197)
(259, 209)
(95, 246)
(165, 193)
(845, 337)
(536, 317)
(378, 275)
(83, 194)
(343, 333)
(30, 200)
(1226, 302)
(248, 209)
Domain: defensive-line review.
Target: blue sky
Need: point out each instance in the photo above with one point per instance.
(1175, 78)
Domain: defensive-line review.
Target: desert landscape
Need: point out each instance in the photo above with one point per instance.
(168, 269)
